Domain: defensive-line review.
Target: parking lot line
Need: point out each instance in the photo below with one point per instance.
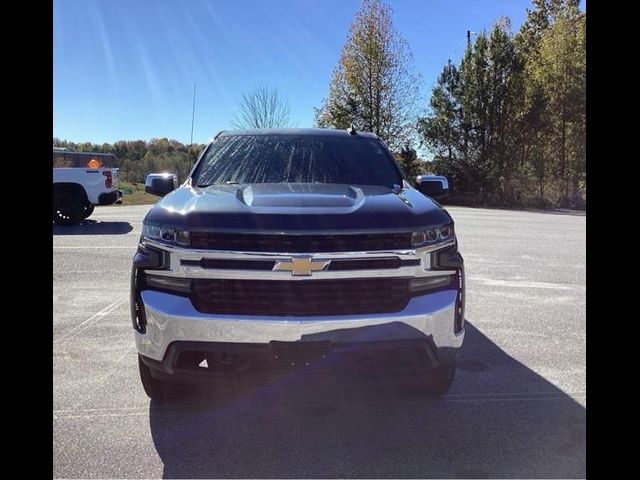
(94, 247)
(89, 321)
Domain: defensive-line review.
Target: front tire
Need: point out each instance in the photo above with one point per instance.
(154, 388)
(67, 209)
(88, 211)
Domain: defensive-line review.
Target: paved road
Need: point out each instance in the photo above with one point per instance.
(516, 409)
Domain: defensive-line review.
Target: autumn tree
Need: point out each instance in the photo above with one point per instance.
(374, 86)
(558, 70)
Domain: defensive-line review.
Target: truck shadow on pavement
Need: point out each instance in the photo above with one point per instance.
(92, 227)
(500, 419)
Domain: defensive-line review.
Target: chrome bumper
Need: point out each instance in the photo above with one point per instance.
(172, 318)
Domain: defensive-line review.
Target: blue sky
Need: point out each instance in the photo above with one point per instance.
(125, 69)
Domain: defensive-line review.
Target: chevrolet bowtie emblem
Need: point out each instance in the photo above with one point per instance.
(302, 265)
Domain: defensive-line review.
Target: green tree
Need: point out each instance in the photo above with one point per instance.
(470, 126)
(374, 86)
(440, 130)
(409, 162)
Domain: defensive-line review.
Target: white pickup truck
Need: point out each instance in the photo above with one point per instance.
(82, 180)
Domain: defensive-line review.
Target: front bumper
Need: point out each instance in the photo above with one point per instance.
(172, 318)
(201, 362)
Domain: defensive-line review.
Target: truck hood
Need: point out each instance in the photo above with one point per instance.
(296, 207)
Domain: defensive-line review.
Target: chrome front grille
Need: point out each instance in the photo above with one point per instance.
(252, 283)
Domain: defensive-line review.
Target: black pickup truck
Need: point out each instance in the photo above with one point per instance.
(286, 248)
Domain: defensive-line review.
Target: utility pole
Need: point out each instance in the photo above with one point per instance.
(193, 112)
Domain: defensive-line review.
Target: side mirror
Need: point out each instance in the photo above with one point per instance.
(160, 183)
(435, 186)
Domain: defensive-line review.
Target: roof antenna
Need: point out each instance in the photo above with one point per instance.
(352, 130)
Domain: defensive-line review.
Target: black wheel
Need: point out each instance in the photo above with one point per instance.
(154, 388)
(88, 210)
(67, 209)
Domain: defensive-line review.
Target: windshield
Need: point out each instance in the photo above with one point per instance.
(246, 159)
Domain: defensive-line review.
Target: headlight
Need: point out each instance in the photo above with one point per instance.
(432, 236)
(168, 235)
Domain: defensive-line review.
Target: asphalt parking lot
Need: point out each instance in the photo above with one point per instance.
(517, 407)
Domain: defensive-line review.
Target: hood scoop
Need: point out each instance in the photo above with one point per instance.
(301, 196)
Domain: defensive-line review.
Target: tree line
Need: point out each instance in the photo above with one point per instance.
(137, 158)
(506, 123)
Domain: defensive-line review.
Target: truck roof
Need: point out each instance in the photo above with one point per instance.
(296, 131)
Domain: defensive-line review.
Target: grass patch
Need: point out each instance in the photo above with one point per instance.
(134, 194)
